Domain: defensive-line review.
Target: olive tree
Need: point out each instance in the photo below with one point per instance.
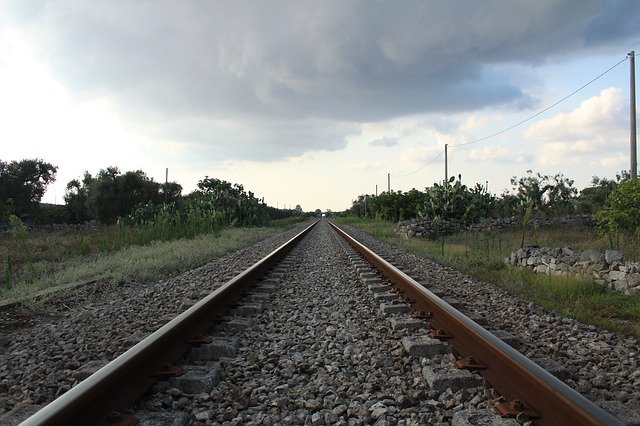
(22, 185)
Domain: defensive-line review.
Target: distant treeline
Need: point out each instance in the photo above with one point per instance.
(131, 197)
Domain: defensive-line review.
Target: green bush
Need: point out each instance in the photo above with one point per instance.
(623, 211)
(453, 200)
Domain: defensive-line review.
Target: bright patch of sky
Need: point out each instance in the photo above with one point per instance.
(314, 103)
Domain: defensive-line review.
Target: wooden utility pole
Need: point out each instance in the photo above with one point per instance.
(389, 183)
(365, 205)
(376, 190)
(166, 185)
(446, 165)
(632, 115)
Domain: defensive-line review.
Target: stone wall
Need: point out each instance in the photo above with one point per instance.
(428, 228)
(608, 269)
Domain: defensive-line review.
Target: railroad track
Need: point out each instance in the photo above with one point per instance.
(113, 394)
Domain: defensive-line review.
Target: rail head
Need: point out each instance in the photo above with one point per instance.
(512, 374)
(121, 382)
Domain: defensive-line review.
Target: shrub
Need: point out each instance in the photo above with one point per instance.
(623, 211)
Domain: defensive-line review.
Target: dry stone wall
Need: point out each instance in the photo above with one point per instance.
(608, 269)
(430, 228)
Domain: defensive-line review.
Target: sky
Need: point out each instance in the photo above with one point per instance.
(313, 103)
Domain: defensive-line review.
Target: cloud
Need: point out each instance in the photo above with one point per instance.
(365, 166)
(256, 139)
(525, 158)
(385, 141)
(612, 162)
(225, 74)
(597, 126)
(499, 155)
(419, 155)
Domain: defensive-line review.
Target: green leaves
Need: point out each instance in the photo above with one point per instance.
(22, 185)
(623, 212)
(453, 200)
(549, 194)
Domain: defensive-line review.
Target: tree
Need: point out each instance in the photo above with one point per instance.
(76, 196)
(170, 192)
(112, 195)
(22, 185)
(623, 212)
(548, 194)
(595, 197)
(238, 207)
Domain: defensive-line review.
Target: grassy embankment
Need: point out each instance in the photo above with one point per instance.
(481, 254)
(43, 260)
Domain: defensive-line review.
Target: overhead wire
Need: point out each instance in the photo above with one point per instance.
(522, 121)
(416, 171)
(543, 110)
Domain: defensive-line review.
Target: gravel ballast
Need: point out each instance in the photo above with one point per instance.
(323, 352)
(599, 364)
(323, 343)
(41, 362)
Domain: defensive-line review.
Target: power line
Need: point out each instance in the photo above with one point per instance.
(522, 121)
(416, 171)
(544, 110)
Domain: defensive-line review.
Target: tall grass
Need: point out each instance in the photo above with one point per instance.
(139, 263)
(481, 253)
(166, 223)
(32, 257)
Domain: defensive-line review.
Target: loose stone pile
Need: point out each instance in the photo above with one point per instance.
(601, 365)
(40, 363)
(608, 269)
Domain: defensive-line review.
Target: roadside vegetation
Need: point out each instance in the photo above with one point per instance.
(615, 204)
(121, 226)
(132, 263)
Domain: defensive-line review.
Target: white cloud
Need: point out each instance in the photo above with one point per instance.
(385, 141)
(474, 122)
(612, 162)
(524, 158)
(419, 155)
(365, 166)
(499, 155)
(598, 125)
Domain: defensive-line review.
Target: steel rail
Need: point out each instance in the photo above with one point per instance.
(512, 374)
(120, 383)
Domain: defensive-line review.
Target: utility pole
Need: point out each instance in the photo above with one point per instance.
(446, 164)
(632, 115)
(166, 185)
(365, 205)
(389, 183)
(376, 190)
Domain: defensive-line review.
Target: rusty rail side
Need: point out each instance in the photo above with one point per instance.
(120, 383)
(512, 374)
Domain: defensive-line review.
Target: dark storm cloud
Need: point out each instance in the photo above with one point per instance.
(294, 63)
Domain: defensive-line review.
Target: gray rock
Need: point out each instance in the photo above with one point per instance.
(150, 418)
(617, 276)
(611, 256)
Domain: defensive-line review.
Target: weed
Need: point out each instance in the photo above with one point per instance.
(135, 263)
